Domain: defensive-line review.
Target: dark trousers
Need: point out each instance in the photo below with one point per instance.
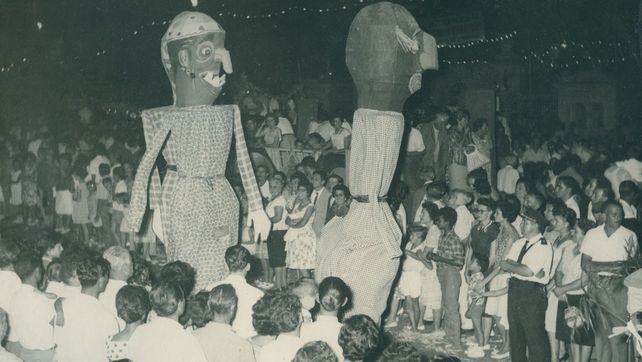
(450, 280)
(527, 304)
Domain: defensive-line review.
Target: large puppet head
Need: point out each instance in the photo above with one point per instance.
(193, 51)
(386, 53)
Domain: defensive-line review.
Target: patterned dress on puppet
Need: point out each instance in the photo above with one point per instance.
(386, 52)
(198, 207)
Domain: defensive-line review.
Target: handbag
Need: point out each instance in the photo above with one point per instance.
(475, 159)
(574, 318)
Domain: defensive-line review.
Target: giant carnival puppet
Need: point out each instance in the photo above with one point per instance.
(198, 209)
(386, 53)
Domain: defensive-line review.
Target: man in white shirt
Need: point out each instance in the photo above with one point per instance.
(163, 339)
(287, 309)
(218, 340)
(529, 261)
(605, 250)
(83, 324)
(32, 312)
(507, 176)
(122, 269)
(237, 259)
(320, 197)
(601, 193)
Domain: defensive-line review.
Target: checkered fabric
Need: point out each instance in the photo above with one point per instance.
(451, 247)
(363, 248)
(200, 205)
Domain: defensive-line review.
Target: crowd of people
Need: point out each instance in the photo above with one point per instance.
(540, 260)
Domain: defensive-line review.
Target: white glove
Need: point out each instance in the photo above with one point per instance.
(261, 223)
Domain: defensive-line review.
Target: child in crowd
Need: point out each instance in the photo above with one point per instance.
(476, 303)
(306, 291)
(30, 194)
(332, 297)
(300, 239)
(64, 199)
(103, 199)
(359, 338)
(316, 351)
(410, 281)
(401, 352)
(287, 316)
(80, 196)
(163, 339)
(277, 211)
(237, 259)
(46, 178)
(15, 201)
(217, 339)
(198, 310)
(430, 298)
(132, 304)
(270, 133)
(120, 197)
(508, 175)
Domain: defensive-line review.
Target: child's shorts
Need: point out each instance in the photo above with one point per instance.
(430, 290)
(116, 217)
(475, 310)
(410, 284)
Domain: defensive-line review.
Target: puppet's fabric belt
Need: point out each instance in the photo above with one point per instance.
(366, 199)
(184, 175)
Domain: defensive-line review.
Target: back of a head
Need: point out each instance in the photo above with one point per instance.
(8, 253)
(181, 273)
(359, 337)
(26, 263)
(223, 300)
(303, 287)
(237, 258)
(120, 261)
(198, 309)
(448, 214)
(132, 303)
(628, 190)
(316, 351)
(436, 190)
(54, 271)
(91, 270)
(287, 309)
(70, 260)
(263, 314)
(166, 298)
(401, 352)
(333, 294)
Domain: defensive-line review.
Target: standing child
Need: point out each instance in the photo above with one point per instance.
(476, 303)
(410, 281)
(117, 208)
(300, 239)
(80, 211)
(15, 201)
(30, 195)
(64, 199)
(430, 298)
(102, 219)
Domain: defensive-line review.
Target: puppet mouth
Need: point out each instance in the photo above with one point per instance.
(215, 80)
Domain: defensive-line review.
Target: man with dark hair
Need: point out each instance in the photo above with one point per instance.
(529, 261)
(567, 188)
(84, 323)
(602, 192)
(287, 317)
(237, 259)
(218, 340)
(163, 339)
(31, 313)
(320, 198)
(359, 338)
(181, 273)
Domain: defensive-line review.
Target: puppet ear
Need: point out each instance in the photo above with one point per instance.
(407, 43)
(183, 59)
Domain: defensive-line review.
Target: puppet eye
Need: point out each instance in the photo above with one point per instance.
(206, 52)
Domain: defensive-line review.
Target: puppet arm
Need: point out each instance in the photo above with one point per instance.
(256, 216)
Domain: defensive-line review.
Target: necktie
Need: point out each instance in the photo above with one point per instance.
(315, 195)
(524, 250)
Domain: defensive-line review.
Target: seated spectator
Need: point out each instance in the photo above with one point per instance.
(333, 295)
(121, 269)
(5, 356)
(287, 316)
(82, 322)
(218, 340)
(132, 304)
(70, 259)
(237, 259)
(316, 351)
(53, 279)
(401, 352)
(181, 273)
(264, 322)
(359, 338)
(198, 310)
(31, 312)
(306, 291)
(163, 339)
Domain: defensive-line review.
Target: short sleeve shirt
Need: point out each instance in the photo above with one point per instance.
(270, 210)
(415, 141)
(620, 246)
(539, 256)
